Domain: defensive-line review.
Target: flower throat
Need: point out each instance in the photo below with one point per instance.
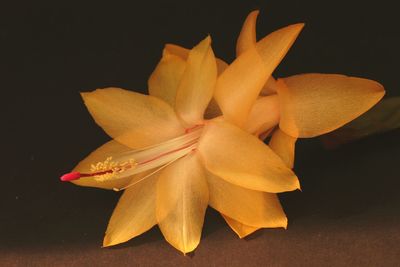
(136, 161)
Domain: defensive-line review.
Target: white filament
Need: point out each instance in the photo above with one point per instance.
(157, 156)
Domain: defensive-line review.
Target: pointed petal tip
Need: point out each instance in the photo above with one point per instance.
(298, 184)
(109, 242)
(293, 29)
(297, 27)
(354, 96)
(106, 242)
(183, 248)
(241, 236)
(206, 41)
(88, 94)
(83, 94)
(380, 89)
(255, 12)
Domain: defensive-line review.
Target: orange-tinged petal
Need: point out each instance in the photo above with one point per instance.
(240, 84)
(182, 198)
(314, 104)
(283, 145)
(248, 36)
(213, 109)
(99, 155)
(247, 40)
(250, 207)
(196, 87)
(164, 81)
(184, 53)
(177, 50)
(242, 159)
(264, 115)
(133, 119)
(135, 213)
(242, 230)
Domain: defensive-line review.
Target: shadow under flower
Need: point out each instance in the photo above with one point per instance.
(346, 181)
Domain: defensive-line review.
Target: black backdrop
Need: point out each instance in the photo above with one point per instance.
(348, 212)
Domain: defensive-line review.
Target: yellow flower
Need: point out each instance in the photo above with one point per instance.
(173, 161)
(300, 106)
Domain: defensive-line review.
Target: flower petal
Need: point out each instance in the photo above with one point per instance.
(164, 81)
(177, 50)
(283, 145)
(248, 35)
(314, 104)
(212, 110)
(196, 87)
(247, 40)
(243, 159)
(134, 213)
(242, 230)
(184, 53)
(239, 85)
(99, 155)
(182, 198)
(250, 207)
(133, 119)
(264, 115)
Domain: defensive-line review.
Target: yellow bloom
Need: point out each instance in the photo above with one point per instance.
(301, 106)
(174, 156)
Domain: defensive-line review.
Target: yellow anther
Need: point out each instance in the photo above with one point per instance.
(108, 169)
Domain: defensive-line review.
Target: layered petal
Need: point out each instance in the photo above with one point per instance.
(196, 87)
(133, 119)
(177, 50)
(213, 109)
(314, 104)
(134, 214)
(283, 145)
(248, 35)
(244, 160)
(247, 39)
(264, 115)
(164, 81)
(242, 230)
(250, 207)
(184, 53)
(99, 155)
(239, 85)
(182, 198)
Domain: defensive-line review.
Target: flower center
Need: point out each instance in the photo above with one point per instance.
(132, 162)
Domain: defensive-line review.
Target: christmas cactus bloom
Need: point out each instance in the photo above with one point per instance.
(196, 139)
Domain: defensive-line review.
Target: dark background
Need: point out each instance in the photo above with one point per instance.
(348, 212)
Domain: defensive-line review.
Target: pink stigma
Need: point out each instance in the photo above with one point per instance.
(70, 176)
